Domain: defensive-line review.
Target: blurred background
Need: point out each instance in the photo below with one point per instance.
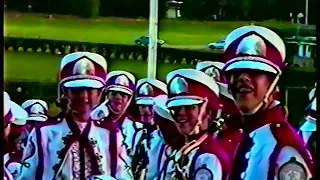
(37, 33)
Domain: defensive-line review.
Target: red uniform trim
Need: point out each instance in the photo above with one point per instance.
(212, 146)
(287, 136)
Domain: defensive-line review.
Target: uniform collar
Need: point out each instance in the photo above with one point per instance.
(274, 114)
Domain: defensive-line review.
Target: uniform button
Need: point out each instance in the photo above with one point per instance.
(243, 175)
(248, 154)
(278, 125)
(251, 135)
(229, 140)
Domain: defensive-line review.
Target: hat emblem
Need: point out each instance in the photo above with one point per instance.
(146, 89)
(212, 72)
(83, 67)
(37, 109)
(122, 80)
(252, 45)
(178, 85)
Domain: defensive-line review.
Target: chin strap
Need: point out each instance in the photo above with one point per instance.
(119, 114)
(181, 160)
(197, 127)
(266, 97)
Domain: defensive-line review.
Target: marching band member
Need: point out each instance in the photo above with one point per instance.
(120, 87)
(37, 110)
(164, 140)
(146, 90)
(271, 149)
(73, 146)
(230, 135)
(194, 104)
(16, 143)
(12, 112)
(309, 128)
(20, 130)
(230, 112)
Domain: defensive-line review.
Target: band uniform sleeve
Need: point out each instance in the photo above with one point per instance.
(139, 161)
(208, 167)
(30, 159)
(291, 165)
(141, 135)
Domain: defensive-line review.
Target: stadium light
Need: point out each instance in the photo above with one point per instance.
(153, 39)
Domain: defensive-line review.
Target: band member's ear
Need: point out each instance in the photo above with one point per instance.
(208, 114)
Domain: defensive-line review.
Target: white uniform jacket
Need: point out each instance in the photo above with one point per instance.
(273, 152)
(203, 159)
(133, 135)
(158, 153)
(59, 150)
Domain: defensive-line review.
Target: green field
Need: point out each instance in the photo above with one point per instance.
(119, 30)
(40, 67)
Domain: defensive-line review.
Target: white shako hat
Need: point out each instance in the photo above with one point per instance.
(255, 48)
(213, 69)
(209, 67)
(82, 70)
(191, 87)
(147, 89)
(160, 107)
(37, 109)
(121, 81)
(12, 112)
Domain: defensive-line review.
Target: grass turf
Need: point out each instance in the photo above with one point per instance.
(40, 67)
(120, 30)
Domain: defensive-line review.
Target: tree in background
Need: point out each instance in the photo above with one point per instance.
(17, 5)
(256, 10)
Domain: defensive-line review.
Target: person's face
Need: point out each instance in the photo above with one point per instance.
(82, 100)
(249, 88)
(146, 114)
(186, 118)
(118, 100)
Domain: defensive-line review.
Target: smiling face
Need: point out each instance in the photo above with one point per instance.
(249, 88)
(186, 118)
(118, 100)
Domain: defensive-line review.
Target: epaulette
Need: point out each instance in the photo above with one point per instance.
(281, 131)
(212, 146)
